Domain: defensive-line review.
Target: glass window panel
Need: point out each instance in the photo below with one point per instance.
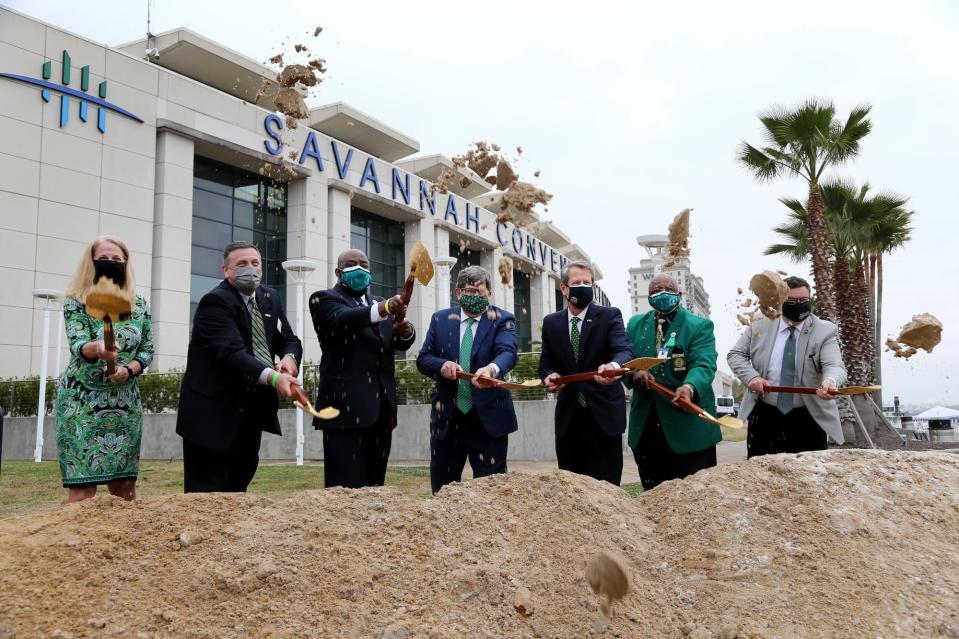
(211, 235)
(521, 309)
(248, 193)
(200, 286)
(242, 235)
(243, 214)
(206, 261)
(212, 206)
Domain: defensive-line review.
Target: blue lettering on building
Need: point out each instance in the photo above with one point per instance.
(273, 125)
(518, 241)
(426, 195)
(451, 210)
(500, 227)
(312, 150)
(402, 186)
(341, 167)
(472, 217)
(369, 173)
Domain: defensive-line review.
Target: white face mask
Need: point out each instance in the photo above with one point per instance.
(247, 278)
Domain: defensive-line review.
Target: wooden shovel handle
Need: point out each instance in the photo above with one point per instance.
(299, 395)
(109, 343)
(802, 390)
(588, 376)
(482, 381)
(407, 295)
(681, 402)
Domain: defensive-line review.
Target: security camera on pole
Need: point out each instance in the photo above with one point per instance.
(299, 271)
(50, 298)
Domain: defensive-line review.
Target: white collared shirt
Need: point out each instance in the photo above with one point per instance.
(463, 325)
(776, 360)
(582, 318)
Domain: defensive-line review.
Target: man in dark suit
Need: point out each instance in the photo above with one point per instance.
(228, 396)
(357, 373)
(590, 416)
(466, 419)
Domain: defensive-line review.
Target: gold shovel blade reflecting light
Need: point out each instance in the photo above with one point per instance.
(324, 413)
(643, 363)
(421, 266)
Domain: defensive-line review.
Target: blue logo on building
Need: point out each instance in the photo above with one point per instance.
(85, 99)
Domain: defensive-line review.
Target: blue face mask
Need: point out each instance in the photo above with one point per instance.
(356, 278)
(664, 301)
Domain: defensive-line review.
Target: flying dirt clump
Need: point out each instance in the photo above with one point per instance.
(924, 332)
(678, 238)
(487, 161)
(607, 577)
(771, 291)
(505, 268)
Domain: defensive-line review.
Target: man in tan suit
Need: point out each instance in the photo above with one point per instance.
(797, 349)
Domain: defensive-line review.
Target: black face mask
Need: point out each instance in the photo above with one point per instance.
(580, 296)
(796, 312)
(116, 271)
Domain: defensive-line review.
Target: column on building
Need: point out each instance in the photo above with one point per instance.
(443, 265)
(424, 302)
(542, 301)
(172, 239)
(308, 239)
(338, 228)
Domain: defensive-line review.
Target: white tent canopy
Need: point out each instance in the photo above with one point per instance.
(938, 412)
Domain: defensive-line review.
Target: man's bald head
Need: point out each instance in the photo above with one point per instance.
(663, 282)
(352, 257)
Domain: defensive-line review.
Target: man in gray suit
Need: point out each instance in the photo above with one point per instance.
(797, 349)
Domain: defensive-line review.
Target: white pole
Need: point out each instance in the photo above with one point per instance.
(57, 370)
(41, 405)
(299, 333)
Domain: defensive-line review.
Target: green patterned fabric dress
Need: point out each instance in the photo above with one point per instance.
(98, 422)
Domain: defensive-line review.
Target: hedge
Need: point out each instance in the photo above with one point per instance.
(160, 392)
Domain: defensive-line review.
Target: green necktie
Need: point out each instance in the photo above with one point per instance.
(260, 350)
(574, 340)
(787, 376)
(464, 390)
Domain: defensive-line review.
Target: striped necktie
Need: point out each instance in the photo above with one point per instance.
(464, 390)
(574, 340)
(260, 350)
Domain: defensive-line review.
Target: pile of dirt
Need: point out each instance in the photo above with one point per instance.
(924, 332)
(832, 544)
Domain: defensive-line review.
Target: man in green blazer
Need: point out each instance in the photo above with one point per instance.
(667, 442)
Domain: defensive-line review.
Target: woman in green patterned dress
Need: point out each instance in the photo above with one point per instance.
(99, 416)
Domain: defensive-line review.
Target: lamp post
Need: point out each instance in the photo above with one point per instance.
(50, 297)
(299, 271)
(445, 264)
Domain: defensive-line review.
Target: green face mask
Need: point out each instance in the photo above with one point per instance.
(474, 303)
(356, 278)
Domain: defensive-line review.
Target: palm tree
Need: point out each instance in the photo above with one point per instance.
(862, 228)
(805, 142)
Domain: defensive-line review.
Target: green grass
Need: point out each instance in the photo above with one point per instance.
(633, 490)
(27, 487)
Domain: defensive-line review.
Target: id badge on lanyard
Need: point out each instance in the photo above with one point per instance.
(664, 349)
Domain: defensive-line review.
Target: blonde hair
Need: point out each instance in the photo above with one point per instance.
(83, 277)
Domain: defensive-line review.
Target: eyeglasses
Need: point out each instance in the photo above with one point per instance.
(661, 289)
(471, 291)
(792, 300)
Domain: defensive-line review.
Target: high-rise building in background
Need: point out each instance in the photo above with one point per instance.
(658, 260)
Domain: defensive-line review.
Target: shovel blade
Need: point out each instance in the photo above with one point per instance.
(643, 363)
(421, 265)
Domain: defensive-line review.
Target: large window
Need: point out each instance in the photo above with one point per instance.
(230, 204)
(560, 300)
(382, 241)
(464, 257)
(521, 308)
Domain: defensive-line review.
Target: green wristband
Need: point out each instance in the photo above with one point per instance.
(276, 376)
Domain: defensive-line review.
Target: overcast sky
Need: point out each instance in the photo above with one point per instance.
(633, 111)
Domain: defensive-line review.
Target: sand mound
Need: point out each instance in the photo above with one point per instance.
(771, 291)
(833, 544)
(923, 331)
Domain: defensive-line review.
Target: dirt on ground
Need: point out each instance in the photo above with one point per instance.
(831, 544)
(924, 332)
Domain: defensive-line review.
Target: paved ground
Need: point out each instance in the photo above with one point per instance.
(726, 453)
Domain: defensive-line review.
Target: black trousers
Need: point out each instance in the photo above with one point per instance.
(465, 439)
(771, 432)
(657, 462)
(357, 457)
(586, 449)
(229, 471)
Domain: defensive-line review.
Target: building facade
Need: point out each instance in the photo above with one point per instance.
(163, 144)
(695, 298)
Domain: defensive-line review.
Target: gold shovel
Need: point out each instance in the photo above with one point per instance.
(109, 303)
(421, 269)
(633, 365)
(301, 401)
(488, 382)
